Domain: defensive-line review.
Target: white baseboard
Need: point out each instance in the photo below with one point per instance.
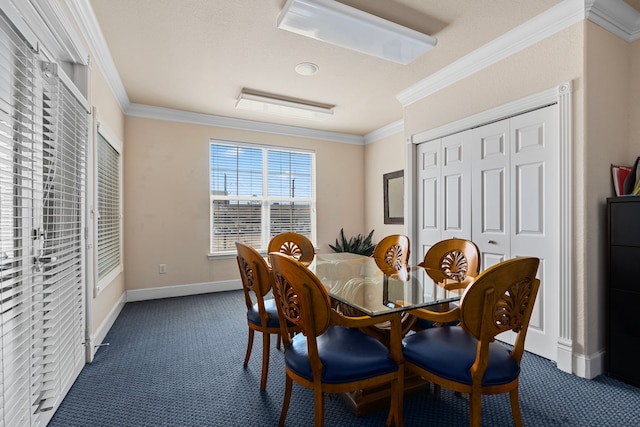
(98, 336)
(589, 366)
(182, 290)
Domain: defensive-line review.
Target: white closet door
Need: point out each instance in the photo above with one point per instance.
(429, 228)
(491, 177)
(456, 186)
(515, 208)
(534, 217)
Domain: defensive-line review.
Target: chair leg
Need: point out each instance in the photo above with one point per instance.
(266, 343)
(249, 347)
(285, 403)
(475, 409)
(318, 398)
(396, 416)
(515, 407)
(278, 340)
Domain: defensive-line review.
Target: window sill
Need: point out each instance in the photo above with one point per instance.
(229, 255)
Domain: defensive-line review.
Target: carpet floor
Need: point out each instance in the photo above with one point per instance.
(178, 362)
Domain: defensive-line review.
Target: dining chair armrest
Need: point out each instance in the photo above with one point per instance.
(435, 316)
(394, 324)
(359, 321)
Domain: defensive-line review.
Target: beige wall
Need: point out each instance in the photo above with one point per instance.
(167, 203)
(380, 157)
(607, 97)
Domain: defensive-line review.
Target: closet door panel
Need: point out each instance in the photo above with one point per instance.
(429, 195)
(490, 191)
(535, 205)
(456, 179)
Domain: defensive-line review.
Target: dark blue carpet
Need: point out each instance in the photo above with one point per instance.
(178, 362)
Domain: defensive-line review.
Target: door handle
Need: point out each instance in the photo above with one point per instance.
(492, 242)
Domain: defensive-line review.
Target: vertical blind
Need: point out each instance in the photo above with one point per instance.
(109, 229)
(257, 192)
(43, 132)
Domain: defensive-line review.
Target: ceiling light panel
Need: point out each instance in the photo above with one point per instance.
(351, 28)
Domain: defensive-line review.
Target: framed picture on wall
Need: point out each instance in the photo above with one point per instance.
(393, 187)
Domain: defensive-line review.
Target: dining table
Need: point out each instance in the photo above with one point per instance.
(361, 285)
(358, 282)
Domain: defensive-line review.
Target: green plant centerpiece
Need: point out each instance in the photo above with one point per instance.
(355, 245)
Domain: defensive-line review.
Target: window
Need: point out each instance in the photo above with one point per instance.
(257, 192)
(109, 249)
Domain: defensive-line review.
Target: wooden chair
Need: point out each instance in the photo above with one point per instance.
(454, 263)
(392, 253)
(392, 258)
(262, 315)
(466, 358)
(293, 244)
(331, 355)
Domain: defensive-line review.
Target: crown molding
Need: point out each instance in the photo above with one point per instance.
(536, 29)
(615, 16)
(385, 131)
(161, 113)
(86, 19)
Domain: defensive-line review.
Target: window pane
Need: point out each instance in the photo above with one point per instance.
(108, 208)
(289, 174)
(290, 216)
(236, 171)
(235, 221)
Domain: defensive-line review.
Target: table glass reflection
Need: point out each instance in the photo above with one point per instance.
(357, 281)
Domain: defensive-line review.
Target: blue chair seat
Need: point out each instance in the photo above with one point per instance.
(253, 315)
(347, 355)
(449, 352)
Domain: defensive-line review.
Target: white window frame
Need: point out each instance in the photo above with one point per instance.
(116, 144)
(265, 199)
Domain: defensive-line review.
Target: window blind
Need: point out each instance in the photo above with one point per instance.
(65, 129)
(257, 192)
(109, 227)
(43, 132)
(20, 181)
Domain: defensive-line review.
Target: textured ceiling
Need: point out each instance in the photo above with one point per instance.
(197, 55)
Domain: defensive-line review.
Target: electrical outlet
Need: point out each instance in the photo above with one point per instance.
(162, 268)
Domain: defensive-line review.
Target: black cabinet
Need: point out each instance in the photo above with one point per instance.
(623, 293)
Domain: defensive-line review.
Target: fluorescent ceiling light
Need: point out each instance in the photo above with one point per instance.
(282, 106)
(345, 26)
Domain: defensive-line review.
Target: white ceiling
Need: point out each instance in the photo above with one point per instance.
(197, 55)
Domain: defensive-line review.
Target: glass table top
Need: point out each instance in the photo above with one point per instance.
(357, 281)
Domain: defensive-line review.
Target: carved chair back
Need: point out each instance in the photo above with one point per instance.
(452, 260)
(501, 299)
(392, 253)
(294, 245)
